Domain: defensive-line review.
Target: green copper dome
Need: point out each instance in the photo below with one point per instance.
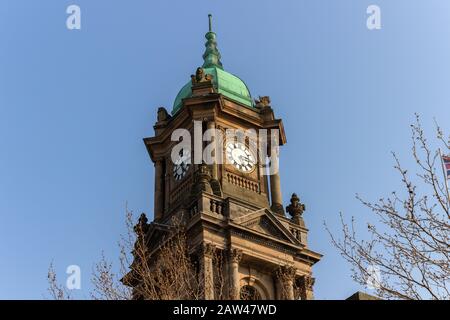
(224, 82)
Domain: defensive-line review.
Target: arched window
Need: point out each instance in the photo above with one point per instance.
(250, 293)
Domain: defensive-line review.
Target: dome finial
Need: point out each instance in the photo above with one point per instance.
(210, 22)
(211, 57)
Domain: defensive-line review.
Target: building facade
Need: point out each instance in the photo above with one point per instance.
(234, 205)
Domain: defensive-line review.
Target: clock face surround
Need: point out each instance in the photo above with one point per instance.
(241, 157)
(181, 164)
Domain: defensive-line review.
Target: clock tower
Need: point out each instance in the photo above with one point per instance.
(210, 157)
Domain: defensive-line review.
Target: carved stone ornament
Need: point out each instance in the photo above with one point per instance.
(307, 282)
(262, 102)
(142, 224)
(200, 76)
(163, 115)
(208, 250)
(141, 229)
(295, 209)
(288, 272)
(202, 178)
(235, 255)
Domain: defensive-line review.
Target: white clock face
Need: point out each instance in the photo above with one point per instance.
(182, 164)
(241, 157)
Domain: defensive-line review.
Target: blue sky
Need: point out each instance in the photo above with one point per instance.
(75, 105)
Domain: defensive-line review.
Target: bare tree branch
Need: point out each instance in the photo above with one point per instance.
(166, 270)
(410, 244)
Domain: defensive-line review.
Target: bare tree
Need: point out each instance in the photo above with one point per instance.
(106, 282)
(56, 290)
(407, 254)
(166, 270)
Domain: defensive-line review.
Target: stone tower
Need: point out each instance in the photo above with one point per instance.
(233, 205)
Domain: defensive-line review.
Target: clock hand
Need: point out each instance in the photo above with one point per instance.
(243, 158)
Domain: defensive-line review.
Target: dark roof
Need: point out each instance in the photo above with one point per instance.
(362, 296)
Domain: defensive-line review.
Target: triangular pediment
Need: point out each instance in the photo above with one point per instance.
(264, 222)
(156, 235)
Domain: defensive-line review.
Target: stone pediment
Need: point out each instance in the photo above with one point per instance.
(156, 234)
(265, 223)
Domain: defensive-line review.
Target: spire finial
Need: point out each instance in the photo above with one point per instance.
(210, 22)
(211, 57)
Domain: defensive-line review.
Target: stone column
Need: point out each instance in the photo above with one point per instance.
(159, 190)
(275, 193)
(275, 185)
(234, 258)
(306, 287)
(166, 178)
(278, 288)
(206, 255)
(289, 284)
(211, 125)
(285, 277)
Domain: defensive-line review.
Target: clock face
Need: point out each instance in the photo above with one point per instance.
(182, 164)
(241, 157)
